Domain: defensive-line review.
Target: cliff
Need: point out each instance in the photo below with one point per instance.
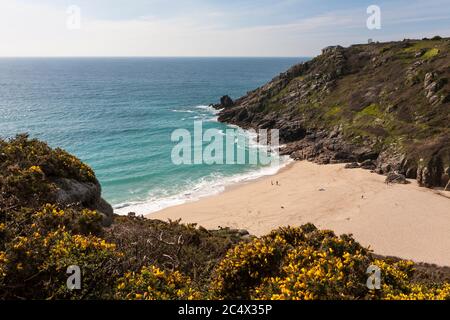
(385, 105)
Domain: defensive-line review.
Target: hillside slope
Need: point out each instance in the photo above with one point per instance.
(387, 104)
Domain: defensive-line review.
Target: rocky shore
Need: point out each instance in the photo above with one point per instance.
(381, 106)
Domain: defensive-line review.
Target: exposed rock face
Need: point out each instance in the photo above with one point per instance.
(324, 147)
(87, 194)
(368, 164)
(432, 85)
(352, 165)
(385, 105)
(225, 102)
(394, 177)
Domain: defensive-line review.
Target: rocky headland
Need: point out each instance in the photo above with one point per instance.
(380, 106)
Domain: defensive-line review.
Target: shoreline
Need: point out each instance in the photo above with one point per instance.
(202, 190)
(407, 221)
(240, 184)
(185, 197)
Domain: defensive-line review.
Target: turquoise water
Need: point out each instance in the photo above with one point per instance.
(117, 115)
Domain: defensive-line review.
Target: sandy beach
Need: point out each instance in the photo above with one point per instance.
(407, 221)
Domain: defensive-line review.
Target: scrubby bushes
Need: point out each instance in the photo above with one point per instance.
(170, 246)
(24, 153)
(28, 168)
(38, 241)
(246, 265)
(152, 283)
(137, 258)
(305, 263)
(35, 259)
(290, 263)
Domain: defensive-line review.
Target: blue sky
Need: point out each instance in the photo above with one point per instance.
(209, 27)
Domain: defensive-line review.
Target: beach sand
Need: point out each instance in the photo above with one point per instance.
(406, 221)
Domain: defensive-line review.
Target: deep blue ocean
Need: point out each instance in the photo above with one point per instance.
(117, 115)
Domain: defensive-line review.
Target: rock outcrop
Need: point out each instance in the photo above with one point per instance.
(384, 105)
(225, 102)
(394, 177)
(85, 194)
(32, 175)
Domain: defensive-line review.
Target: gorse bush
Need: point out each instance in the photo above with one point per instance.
(136, 258)
(305, 263)
(152, 283)
(396, 283)
(294, 263)
(24, 153)
(40, 240)
(245, 265)
(28, 169)
(83, 221)
(34, 261)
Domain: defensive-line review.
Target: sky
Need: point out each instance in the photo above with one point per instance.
(257, 28)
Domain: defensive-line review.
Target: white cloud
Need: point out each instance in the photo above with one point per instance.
(37, 30)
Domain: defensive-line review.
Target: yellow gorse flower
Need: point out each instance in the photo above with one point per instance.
(36, 169)
(152, 283)
(3, 261)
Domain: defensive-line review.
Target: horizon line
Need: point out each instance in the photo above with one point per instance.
(62, 57)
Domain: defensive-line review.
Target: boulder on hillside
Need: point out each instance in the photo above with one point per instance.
(87, 194)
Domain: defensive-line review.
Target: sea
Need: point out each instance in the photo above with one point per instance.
(118, 116)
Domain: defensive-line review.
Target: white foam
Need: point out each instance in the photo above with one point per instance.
(209, 186)
(183, 111)
(209, 109)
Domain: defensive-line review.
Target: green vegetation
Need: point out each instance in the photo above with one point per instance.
(382, 99)
(372, 110)
(431, 53)
(151, 283)
(27, 169)
(424, 44)
(305, 263)
(136, 258)
(334, 111)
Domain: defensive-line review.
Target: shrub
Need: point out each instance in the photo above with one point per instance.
(28, 166)
(397, 284)
(39, 249)
(305, 263)
(260, 268)
(246, 265)
(420, 292)
(79, 221)
(170, 245)
(151, 283)
(314, 274)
